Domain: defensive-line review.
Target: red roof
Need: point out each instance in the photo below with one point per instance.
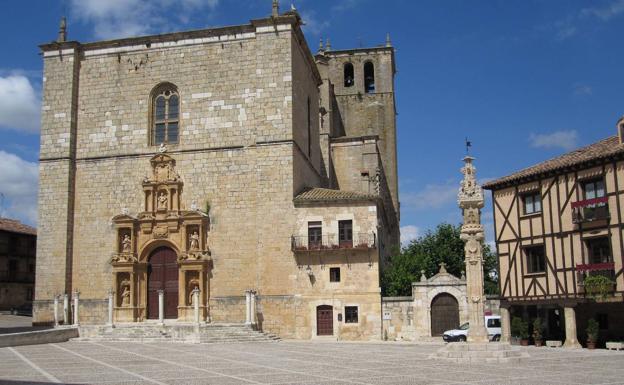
(15, 226)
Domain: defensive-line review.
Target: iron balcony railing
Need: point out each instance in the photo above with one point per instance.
(16, 276)
(590, 210)
(606, 269)
(361, 241)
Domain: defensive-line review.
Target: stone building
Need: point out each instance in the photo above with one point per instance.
(230, 160)
(560, 241)
(17, 263)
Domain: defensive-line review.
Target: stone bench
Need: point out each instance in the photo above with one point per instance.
(615, 345)
(554, 344)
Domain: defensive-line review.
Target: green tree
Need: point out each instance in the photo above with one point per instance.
(426, 253)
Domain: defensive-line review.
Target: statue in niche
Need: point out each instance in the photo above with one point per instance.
(192, 285)
(162, 201)
(471, 216)
(125, 293)
(194, 241)
(126, 244)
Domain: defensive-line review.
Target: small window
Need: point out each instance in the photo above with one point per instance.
(369, 78)
(532, 203)
(536, 260)
(599, 250)
(351, 314)
(348, 75)
(315, 235)
(494, 323)
(165, 115)
(345, 233)
(594, 189)
(334, 274)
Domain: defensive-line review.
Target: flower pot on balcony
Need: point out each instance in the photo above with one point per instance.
(538, 343)
(524, 342)
(591, 345)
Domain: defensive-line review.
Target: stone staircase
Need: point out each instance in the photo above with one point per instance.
(151, 332)
(492, 352)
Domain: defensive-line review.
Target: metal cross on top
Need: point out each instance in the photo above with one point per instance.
(468, 145)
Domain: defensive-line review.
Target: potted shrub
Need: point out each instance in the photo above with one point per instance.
(598, 286)
(537, 332)
(520, 330)
(592, 333)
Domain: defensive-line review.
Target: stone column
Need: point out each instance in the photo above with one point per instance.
(196, 305)
(56, 317)
(247, 307)
(111, 299)
(471, 202)
(570, 328)
(505, 325)
(252, 313)
(161, 307)
(76, 304)
(65, 309)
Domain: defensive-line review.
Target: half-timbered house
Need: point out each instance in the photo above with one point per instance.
(560, 241)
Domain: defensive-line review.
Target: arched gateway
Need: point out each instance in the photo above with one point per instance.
(444, 314)
(162, 274)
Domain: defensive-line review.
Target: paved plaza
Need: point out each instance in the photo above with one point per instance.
(291, 363)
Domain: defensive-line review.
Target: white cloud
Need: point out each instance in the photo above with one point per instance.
(20, 106)
(126, 18)
(408, 234)
(567, 140)
(583, 90)
(18, 185)
(607, 12)
(433, 196)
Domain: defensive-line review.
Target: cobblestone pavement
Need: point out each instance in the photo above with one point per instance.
(291, 363)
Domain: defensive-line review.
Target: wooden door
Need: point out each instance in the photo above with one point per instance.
(444, 314)
(162, 275)
(324, 320)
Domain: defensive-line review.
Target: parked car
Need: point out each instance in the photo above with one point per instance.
(492, 324)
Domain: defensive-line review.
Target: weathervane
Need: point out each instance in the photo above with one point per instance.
(468, 145)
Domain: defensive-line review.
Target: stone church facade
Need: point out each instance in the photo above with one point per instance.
(230, 160)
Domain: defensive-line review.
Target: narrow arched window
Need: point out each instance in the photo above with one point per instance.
(165, 119)
(369, 77)
(348, 75)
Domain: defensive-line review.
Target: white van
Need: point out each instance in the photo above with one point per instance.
(492, 324)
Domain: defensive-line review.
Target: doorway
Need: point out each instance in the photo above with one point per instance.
(162, 275)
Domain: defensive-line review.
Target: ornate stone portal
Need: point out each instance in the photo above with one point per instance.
(161, 224)
(470, 199)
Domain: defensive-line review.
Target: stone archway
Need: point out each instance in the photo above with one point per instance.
(444, 314)
(162, 274)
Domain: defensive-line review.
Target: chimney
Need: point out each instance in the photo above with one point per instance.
(620, 129)
(275, 10)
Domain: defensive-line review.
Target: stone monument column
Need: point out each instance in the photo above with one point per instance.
(470, 199)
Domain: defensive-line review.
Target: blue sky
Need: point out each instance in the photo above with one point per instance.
(525, 80)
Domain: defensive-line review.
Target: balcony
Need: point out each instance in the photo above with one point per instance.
(584, 271)
(361, 241)
(16, 276)
(590, 210)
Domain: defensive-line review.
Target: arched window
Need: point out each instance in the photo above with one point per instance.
(348, 75)
(369, 77)
(165, 114)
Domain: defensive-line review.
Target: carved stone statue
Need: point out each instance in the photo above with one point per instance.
(125, 293)
(126, 244)
(194, 241)
(162, 201)
(192, 285)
